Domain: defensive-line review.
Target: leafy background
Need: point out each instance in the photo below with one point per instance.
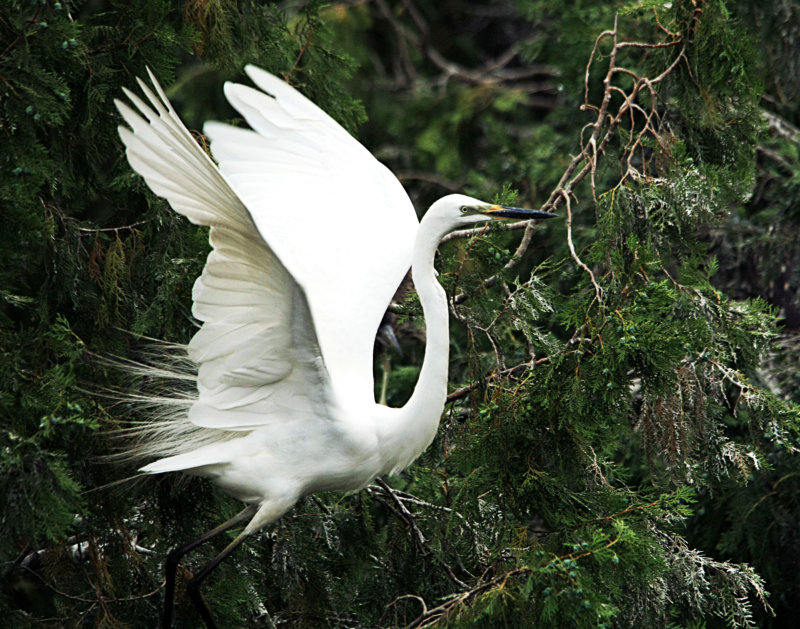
(619, 445)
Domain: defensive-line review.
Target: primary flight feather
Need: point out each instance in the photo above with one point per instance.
(310, 237)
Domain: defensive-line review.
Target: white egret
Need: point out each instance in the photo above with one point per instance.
(310, 237)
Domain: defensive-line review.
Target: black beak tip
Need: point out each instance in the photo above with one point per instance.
(508, 211)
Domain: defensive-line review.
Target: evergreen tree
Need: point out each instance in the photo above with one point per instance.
(619, 446)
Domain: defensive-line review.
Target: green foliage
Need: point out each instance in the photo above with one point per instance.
(620, 443)
(719, 89)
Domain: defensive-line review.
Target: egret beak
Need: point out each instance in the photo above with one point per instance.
(507, 211)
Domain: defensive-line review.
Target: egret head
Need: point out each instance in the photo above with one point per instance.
(456, 211)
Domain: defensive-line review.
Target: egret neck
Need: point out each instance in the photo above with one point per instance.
(411, 428)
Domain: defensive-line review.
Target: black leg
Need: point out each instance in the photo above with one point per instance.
(193, 587)
(175, 555)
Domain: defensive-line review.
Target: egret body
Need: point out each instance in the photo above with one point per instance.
(310, 238)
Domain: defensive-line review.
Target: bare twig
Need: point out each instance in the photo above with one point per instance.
(95, 230)
(464, 391)
(781, 127)
(644, 123)
(410, 519)
(418, 175)
(432, 616)
(407, 516)
(597, 290)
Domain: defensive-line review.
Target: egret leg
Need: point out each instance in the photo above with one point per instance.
(387, 367)
(193, 587)
(176, 554)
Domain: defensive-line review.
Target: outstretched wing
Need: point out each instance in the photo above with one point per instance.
(338, 219)
(257, 354)
(311, 236)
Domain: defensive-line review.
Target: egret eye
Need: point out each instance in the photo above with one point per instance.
(464, 209)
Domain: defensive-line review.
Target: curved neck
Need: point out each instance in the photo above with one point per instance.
(431, 389)
(406, 432)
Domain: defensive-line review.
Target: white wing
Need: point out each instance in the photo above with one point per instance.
(257, 354)
(342, 234)
(339, 220)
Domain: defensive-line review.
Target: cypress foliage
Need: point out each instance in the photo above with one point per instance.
(619, 444)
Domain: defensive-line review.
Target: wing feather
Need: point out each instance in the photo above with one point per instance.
(310, 237)
(251, 361)
(337, 218)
